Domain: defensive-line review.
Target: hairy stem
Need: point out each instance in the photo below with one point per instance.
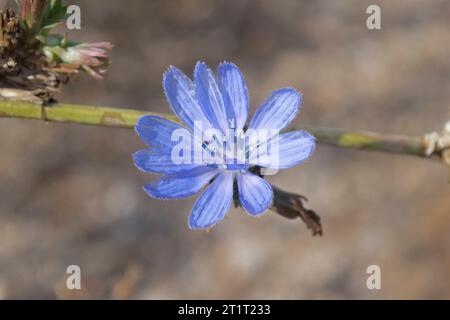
(126, 118)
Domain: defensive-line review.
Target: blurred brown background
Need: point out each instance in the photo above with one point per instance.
(70, 194)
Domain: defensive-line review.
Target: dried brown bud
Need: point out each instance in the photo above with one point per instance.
(32, 12)
(10, 32)
(290, 205)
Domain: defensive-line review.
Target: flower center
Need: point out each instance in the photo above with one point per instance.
(227, 151)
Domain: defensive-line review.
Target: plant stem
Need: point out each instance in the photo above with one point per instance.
(366, 140)
(126, 118)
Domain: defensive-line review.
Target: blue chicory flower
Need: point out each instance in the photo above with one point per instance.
(221, 106)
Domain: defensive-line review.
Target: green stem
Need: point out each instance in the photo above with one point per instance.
(366, 140)
(70, 113)
(126, 118)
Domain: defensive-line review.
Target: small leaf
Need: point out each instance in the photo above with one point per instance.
(54, 14)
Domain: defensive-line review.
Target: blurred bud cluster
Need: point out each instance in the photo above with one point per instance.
(34, 57)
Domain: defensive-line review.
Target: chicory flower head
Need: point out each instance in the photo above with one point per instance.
(215, 146)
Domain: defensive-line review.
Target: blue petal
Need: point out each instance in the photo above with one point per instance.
(286, 150)
(214, 203)
(255, 194)
(234, 91)
(210, 97)
(181, 94)
(159, 161)
(158, 132)
(277, 111)
(181, 185)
